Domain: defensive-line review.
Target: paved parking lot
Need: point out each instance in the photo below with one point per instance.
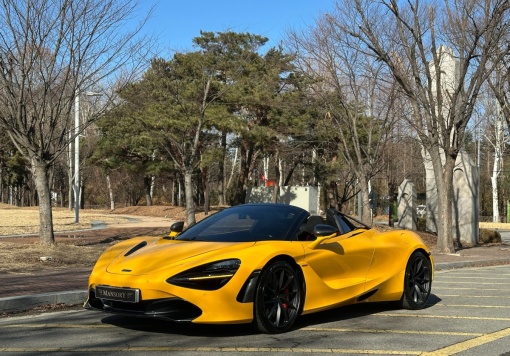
(469, 315)
(475, 302)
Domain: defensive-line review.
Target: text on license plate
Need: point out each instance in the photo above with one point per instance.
(121, 294)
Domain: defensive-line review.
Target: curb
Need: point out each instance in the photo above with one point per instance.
(27, 302)
(443, 266)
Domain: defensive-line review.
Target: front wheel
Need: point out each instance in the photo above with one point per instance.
(277, 299)
(417, 282)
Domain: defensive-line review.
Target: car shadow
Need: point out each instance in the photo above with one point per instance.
(178, 328)
(354, 311)
(312, 320)
(433, 300)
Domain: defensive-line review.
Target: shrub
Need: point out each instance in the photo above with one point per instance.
(421, 224)
(489, 236)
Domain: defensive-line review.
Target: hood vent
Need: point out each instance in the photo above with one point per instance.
(136, 248)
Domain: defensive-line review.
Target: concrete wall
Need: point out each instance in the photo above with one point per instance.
(466, 200)
(303, 197)
(406, 205)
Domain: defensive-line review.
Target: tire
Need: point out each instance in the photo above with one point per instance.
(417, 282)
(278, 298)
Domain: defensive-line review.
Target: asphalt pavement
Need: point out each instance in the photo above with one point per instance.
(69, 286)
(505, 236)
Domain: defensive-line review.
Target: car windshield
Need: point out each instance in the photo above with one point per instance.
(247, 223)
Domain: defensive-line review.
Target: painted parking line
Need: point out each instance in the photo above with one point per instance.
(343, 330)
(503, 282)
(500, 270)
(64, 326)
(471, 343)
(391, 331)
(472, 306)
(492, 297)
(442, 316)
(473, 288)
(463, 276)
(214, 349)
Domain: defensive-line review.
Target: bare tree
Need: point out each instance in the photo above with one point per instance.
(358, 97)
(499, 83)
(497, 138)
(410, 39)
(50, 52)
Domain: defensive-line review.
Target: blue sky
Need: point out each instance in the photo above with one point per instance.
(177, 22)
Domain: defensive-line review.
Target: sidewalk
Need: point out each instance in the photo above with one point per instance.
(478, 256)
(20, 292)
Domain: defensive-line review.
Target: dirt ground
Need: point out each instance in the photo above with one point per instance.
(82, 248)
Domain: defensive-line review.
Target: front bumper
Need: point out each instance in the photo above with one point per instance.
(231, 304)
(174, 309)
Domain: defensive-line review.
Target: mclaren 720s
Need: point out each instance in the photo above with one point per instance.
(264, 264)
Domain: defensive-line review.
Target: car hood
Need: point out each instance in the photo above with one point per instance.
(161, 255)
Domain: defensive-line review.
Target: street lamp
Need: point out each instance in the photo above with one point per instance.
(77, 152)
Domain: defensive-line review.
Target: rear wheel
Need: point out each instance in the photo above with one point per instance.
(417, 282)
(277, 299)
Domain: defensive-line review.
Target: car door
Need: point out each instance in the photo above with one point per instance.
(342, 262)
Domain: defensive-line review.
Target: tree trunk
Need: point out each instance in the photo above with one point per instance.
(70, 175)
(1, 187)
(147, 182)
(291, 172)
(232, 171)
(366, 214)
(444, 182)
(277, 177)
(221, 170)
(205, 190)
(179, 193)
(40, 173)
(391, 200)
(240, 189)
(82, 194)
(110, 192)
(495, 205)
(190, 204)
(153, 184)
(496, 169)
(174, 191)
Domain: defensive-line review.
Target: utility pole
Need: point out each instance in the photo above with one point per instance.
(77, 153)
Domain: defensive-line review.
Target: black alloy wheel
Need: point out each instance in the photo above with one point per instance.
(417, 282)
(277, 299)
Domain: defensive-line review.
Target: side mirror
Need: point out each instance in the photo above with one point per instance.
(176, 229)
(323, 232)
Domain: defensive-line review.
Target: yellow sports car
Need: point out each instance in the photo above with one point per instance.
(263, 264)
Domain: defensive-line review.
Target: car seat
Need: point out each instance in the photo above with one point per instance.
(306, 231)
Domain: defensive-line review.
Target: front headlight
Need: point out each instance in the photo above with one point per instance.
(211, 276)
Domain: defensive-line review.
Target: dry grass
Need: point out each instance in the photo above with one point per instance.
(23, 255)
(16, 221)
(25, 258)
(492, 225)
